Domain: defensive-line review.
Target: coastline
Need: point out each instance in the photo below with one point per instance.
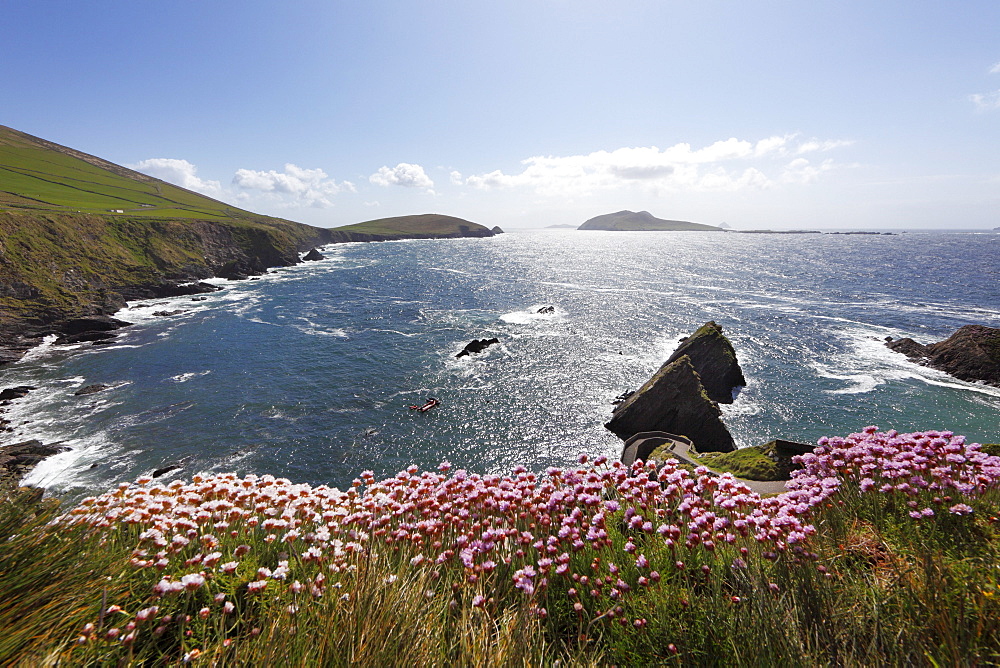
(98, 328)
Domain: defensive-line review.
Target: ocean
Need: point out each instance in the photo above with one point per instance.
(308, 372)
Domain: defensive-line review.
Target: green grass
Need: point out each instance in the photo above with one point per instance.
(761, 462)
(38, 175)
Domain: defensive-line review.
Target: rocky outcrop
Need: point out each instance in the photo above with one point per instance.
(11, 393)
(713, 357)
(972, 353)
(18, 459)
(497, 230)
(546, 310)
(674, 401)
(477, 346)
(91, 389)
(312, 256)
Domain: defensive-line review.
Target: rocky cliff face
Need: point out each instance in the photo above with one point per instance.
(713, 357)
(674, 401)
(56, 268)
(972, 353)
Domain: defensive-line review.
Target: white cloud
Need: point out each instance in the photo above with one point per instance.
(729, 165)
(986, 101)
(404, 174)
(995, 69)
(294, 186)
(801, 171)
(179, 172)
(456, 178)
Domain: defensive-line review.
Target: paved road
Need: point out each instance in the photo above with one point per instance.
(681, 450)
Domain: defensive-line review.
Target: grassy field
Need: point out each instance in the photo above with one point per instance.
(592, 565)
(41, 176)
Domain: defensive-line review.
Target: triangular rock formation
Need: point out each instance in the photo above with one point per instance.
(675, 401)
(713, 357)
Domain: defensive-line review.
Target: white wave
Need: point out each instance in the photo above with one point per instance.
(451, 271)
(42, 350)
(870, 364)
(184, 377)
(532, 315)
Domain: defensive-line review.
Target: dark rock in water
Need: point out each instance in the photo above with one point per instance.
(91, 389)
(713, 357)
(674, 401)
(477, 346)
(183, 289)
(85, 337)
(199, 299)
(546, 310)
(972, 353)
(98, 323)
(94, 328)
(497, 230)
(179, 464)
(16, 392)
(623, 396)
(167, 314)
(312, 256)
(166, 469)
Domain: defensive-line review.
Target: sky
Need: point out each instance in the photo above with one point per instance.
(760, 114)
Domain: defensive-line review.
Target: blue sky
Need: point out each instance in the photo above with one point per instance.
(773, 114)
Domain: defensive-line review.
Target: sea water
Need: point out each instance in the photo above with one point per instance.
(308, 372)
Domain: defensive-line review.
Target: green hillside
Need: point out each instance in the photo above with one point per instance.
(423, 226)
(39, 175)
(80, 235)
(643, 221)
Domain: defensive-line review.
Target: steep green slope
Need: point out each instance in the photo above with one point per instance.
(630, 221)
(423, 226)
(41, 175)
(66, 253)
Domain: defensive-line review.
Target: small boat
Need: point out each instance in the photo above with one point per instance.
(431, 403)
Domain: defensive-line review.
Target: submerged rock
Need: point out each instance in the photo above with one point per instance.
(713, 357)
(972, 353)
(91, 389)
(477, 346)
(546, 310)
(674, 401)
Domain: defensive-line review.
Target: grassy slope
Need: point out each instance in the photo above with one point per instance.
(643, 221)
(423, 226)
(62, 253)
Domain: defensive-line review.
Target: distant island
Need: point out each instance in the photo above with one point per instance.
(630, 221)
(422, 226)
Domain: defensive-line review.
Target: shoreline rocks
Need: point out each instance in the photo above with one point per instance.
(972, 353)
